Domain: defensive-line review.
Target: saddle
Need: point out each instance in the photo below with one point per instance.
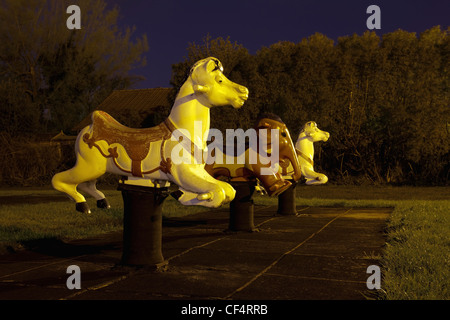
(136, 142)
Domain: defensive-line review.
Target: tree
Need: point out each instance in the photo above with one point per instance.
(355, 116)
(385, 100)
(51, 77)
(277, 92)
(428, 145)
(416, 103)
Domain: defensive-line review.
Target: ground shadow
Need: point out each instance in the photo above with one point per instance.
(31, 199)
(58, 248)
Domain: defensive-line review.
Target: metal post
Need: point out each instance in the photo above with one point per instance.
(142, 225)
(286, 201)
(242, 208)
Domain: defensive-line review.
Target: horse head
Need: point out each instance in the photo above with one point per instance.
(287, 153)
(311, 132)
(270, 178)
(212, 88)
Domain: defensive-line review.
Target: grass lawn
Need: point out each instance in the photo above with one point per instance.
(29, 214)
(415, 261)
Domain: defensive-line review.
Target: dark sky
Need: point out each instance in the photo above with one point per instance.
(171, 25)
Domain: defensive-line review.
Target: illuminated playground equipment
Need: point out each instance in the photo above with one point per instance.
(304, 147)
(149, 159)
(108, 146)
(245, 175)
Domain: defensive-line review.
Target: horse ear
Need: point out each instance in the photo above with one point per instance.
(211, 65)
(200, 89)
(263, 125)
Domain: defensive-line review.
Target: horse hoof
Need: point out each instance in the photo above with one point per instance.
(83, 207)
(279, 187)
(205, 196)
(103, 204)
(177, 194)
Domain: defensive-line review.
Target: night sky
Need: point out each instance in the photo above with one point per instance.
(171, 25)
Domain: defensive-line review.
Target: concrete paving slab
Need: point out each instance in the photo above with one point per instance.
(322, 253)
(186, 282)
(323, 267)
(273, 287)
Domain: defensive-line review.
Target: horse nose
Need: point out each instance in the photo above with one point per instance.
(243, 89)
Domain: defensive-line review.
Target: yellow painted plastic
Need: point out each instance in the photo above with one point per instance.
(106, 146)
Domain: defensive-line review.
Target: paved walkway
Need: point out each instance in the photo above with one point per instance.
(321, 254)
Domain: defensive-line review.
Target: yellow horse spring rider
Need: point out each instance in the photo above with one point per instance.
(107, 146)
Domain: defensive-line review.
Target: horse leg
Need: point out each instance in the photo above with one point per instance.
(67, 181)
(200, 188)
(313, 177)
(90, 188)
